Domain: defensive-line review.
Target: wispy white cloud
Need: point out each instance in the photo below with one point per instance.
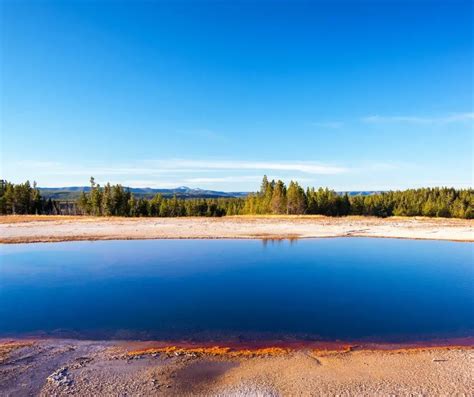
(231, 175)
(241, 178)
(234, 178)
(152, 183)
(171, 172)
(183, 166)
(304, 167)
(43, 164)
(452, 118)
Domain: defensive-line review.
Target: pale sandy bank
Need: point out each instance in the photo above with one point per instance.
(81, 368)
(26, 229)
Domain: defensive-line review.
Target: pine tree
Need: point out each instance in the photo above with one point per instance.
(36, 200)
(132, 205)
(95, 198)
(278, 202)
(296, 199)
(107, 201)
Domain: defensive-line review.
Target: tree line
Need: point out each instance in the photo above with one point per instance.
(274, 197)
(115, 200)
(22, 199)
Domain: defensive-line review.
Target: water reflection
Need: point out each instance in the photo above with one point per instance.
(342, 288)
(279, 240)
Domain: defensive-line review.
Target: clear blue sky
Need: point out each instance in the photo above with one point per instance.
(351, 95)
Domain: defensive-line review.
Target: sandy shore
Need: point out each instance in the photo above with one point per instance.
(26, 229)
(82, 368)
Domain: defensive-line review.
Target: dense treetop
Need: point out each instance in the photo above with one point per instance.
(274, 197)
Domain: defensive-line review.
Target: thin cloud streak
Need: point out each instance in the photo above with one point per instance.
(237, 178)
(241, 178)
(158, 167)
(453, 118)
(304, 167)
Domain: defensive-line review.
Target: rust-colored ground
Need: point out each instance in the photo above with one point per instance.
(82, 368)
(7, 347)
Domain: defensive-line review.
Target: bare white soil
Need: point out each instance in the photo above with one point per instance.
(18, 229)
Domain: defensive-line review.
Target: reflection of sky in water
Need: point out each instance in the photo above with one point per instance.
(335, 288)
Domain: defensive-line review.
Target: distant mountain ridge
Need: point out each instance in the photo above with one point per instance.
(73, 192)
(361, 192)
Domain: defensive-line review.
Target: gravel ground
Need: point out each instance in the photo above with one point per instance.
(83, 368)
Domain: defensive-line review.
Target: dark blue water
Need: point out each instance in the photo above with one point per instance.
(341, 288)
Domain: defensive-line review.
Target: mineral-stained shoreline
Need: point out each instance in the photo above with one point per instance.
(29, 229)
(60, 367)
(106, 368)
